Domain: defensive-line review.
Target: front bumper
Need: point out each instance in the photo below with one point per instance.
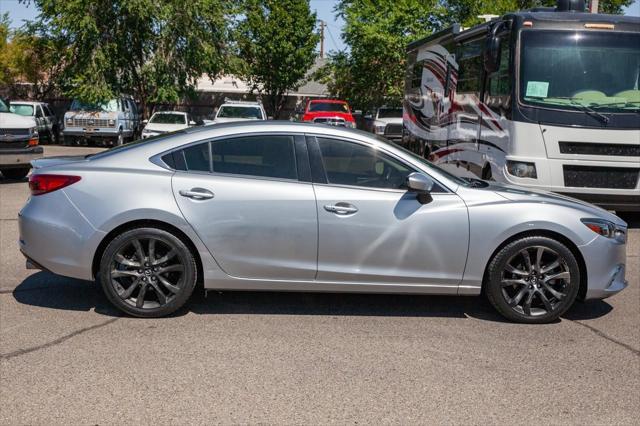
(605, 262)
(78, 132)
(21, 157)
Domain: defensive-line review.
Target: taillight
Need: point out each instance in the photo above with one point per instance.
(42, 184)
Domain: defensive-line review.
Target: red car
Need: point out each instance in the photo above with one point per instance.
(329, 111)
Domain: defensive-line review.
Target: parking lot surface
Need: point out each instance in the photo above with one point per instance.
(68, 357)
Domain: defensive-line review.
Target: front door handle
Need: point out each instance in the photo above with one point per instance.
(341, 208)
(196, 193)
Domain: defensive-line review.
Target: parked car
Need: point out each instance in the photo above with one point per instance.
(166, 121)
(239, 111)
(114, 122)
(328, 111)
(18, 143)
(48, 126)
(303, 207)
(386, 121)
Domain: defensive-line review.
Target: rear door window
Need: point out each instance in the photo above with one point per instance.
(270, 156)
(265, 156)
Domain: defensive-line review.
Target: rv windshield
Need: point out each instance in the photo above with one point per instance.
(110, 106)
(581, 70)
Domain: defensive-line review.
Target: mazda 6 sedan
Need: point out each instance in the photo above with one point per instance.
(280, 206)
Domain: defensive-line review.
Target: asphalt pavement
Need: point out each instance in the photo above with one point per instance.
(68, 357)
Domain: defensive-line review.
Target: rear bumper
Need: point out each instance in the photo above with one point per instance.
(14, 158)
(56, 237)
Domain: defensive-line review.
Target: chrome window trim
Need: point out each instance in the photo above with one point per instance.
(157, 158)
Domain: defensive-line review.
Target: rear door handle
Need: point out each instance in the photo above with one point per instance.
(196, 193)
(341, 208)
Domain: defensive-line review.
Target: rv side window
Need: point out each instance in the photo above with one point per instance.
(470, 67)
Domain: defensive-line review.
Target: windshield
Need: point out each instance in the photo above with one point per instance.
(110, 106)
(21, 109)
(227, 111)
(390, 113)
(3, 106)
(577, 69)
(328, 107)
(168, 118)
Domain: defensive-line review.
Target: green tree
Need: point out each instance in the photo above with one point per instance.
(152, 49)
(25, 58)
(277, 43)
(377, 33)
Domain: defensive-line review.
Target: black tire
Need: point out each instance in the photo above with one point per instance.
(16, 173)
(119, 139)
(54, 136)
(513, 282)
(486, 173)
(164, 291)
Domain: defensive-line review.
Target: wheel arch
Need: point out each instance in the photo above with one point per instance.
(549, 234)
(149, 223)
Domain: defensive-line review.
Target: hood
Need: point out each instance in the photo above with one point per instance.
(91, 114)
(328, 114)
(390, 120)
(164, 128)
(230, 119)
(41, 163)
(9, 120)
(517, 193)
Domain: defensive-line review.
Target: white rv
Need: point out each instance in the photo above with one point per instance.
(547, 98)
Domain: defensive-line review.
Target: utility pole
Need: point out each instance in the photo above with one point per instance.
(322, 25)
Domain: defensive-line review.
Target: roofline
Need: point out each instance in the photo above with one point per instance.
(548, 16)
(453, 29)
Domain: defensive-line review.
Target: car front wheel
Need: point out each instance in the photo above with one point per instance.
(533, 280)
(147, 272)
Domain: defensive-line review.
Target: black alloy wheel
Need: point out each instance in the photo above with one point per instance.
(533, 280)
(148, 272)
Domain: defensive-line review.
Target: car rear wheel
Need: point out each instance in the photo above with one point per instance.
(147, 272)
(15, 173)
(533, 280)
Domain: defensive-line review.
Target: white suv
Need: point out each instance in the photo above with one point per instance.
(18, 143)
(240, 111)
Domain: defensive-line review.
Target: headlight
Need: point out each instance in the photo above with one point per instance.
(379, 129)
(350, 124)
(606, 229)
(522, 169)
(69, 121)
(112, 122)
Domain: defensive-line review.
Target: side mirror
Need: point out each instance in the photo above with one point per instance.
(422, 185)
(491, 54)
(145, 122)
(192, 123)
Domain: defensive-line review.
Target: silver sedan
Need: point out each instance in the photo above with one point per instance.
(281, 206)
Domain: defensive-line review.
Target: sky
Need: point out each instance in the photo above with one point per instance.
(18, 12)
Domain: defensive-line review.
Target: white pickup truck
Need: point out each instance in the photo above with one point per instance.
(18, 143)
